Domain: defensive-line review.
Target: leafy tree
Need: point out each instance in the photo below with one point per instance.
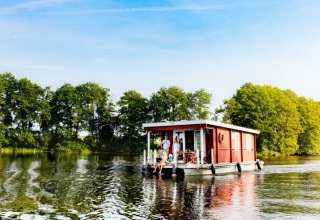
(169, 104)
(133, 111)
(62, 113)
(174, 104)
(199, 104)
(2, 126)
(22, 107)
(269, 110)
(84, 108)
(309, 138)
(95, 111)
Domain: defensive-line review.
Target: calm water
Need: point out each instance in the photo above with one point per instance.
(49, 186)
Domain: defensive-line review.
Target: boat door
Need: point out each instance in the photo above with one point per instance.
(181, 138)
(197, 144)
(197, 141)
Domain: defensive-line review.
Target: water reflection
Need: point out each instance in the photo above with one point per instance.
(204, 197)
(104, 187)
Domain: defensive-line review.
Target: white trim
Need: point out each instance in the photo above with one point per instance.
(201, 146)
(198, 122)
(148, 141)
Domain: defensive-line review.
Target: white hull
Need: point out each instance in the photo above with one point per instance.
(205, 169)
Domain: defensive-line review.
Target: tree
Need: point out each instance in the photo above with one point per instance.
(269, 110)
(173, 104)
(2, 126)
(133, 111)
(199, 104)
(309, 138)
(22, 107)
(95, 112)
(62, 113)
(84, 108)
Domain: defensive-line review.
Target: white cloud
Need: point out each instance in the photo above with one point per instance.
(32, 5)
(141, 9)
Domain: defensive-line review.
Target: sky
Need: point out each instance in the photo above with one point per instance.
(147, 44)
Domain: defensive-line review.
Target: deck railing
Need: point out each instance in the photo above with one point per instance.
(149, 157)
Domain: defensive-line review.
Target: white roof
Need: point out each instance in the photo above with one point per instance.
(196, 122)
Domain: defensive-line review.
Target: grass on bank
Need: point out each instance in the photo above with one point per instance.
(20, 150)
(30, 151)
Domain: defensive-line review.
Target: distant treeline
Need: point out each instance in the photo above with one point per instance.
(85, 116)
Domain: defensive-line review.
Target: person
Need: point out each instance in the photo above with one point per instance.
(157, 164)
(175, 146)
(164, 160)
(166, 144)
(170, 160)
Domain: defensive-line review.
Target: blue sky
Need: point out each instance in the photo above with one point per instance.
(143, 45)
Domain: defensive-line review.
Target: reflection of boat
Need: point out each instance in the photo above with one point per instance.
(206, 147)
(202, 197)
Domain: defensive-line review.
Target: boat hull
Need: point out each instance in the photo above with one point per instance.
(206, 169)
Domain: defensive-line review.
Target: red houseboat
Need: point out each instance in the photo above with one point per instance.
(206, 147)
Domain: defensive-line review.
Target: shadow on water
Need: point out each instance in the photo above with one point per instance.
(111, 187)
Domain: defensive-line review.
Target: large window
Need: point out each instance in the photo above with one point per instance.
(249, 145)
(236, 140)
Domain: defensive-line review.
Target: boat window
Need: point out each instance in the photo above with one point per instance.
(236, 140)
(198, 140)
(189, 139)
(249, 142)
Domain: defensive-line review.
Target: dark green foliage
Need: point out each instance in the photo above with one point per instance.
(288, 124)
(173, 104)
(85, 108)
(309, 138)
(21, 110)
(133, 111)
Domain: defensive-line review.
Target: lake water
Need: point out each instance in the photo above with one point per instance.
(47, 186)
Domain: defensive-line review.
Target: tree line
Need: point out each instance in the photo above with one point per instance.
(85, 116)
(289, 124)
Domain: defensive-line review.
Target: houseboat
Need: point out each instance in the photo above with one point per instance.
(206, 147)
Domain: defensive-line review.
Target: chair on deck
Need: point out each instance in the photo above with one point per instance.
(190, 157)
(180, 157)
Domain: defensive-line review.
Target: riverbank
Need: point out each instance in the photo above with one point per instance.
(25, 151)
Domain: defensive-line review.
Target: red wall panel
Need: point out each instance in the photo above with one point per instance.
(248, 154)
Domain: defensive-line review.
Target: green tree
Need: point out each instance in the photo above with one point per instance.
(95, 112)
(22, 107)
(173, 104)
(85, 108)
(269, 110)
(199, 104)
(133, 111)
(62, 113)
(309, 138)
(169, 104)
(2, 126)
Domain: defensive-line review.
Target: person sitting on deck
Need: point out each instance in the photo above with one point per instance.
(157, 164)
(164, 161)
(170, 160)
